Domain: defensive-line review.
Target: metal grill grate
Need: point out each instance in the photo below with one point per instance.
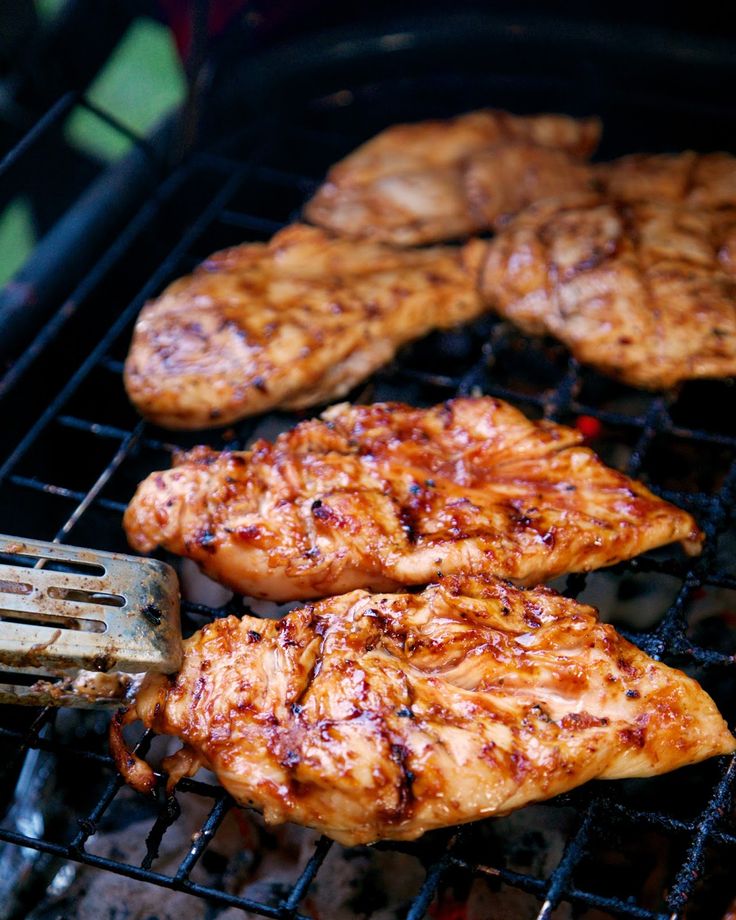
(76, 461)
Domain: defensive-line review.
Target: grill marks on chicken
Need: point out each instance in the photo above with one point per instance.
(384, 716)
(435, 180)
(645, 292)
(294, 322)
(385, 495)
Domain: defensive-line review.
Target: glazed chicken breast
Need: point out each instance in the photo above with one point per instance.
(290, 323)
(440, 180)
(645, 292)
(701, 180)
(385, 495)
(375, 717)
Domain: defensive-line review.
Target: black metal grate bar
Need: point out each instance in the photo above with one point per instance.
(53, 116)
(113, 433)
(214, 895)
(301, 886)
(427, 892)
(31, 738)
(576, 849)
(50, 489)
(160, 276)
(215, 818)
(109, 119)
(127, 445)
(88, 825)
(691, 868)
(55, 326)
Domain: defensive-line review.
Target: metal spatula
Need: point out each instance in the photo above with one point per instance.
(67, 612)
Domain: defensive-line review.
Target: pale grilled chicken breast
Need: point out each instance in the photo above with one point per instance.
(419, 183)
(385, 495)
(644, 292)
(290, 323)
(375, 717)
(703, 180)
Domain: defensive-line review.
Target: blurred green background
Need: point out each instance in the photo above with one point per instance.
(141, 81)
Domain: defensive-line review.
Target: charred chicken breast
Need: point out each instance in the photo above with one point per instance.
(435, 180)
(385, 495)
(293, 322)
(375, 717)
(643, 292)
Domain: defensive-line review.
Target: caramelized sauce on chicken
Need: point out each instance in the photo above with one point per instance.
(385, 495)
(376, 717)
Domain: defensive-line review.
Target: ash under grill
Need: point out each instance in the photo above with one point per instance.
(654, 849)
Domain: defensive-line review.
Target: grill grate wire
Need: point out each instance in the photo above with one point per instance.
(136, 444)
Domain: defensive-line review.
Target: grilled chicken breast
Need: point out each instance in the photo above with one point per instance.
(294, 322)
(436, 180)
(385, 495)
(375, 717)
(702, 180)
(645, 292)
(501, 181)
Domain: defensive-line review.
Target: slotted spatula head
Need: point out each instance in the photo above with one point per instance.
(66, 610)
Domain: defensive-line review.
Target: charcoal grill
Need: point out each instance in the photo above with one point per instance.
(273, 122)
